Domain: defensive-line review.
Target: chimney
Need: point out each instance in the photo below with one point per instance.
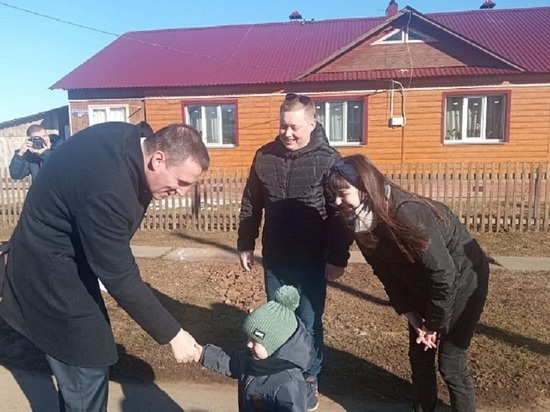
(295, 15)
(487, 5)
(391, 10)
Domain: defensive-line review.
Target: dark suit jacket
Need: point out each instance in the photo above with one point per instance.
(79, 216)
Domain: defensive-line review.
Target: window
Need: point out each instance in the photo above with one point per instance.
(216, 123)
(102, 114)
(404, 36)
(343, 120)
(476, 118)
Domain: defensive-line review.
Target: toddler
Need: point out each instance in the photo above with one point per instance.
(270, 372)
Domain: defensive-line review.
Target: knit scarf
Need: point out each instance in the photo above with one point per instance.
(363, 219)
(269, 366)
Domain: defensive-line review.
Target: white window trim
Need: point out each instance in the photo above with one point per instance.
(464, 121)
(92, 107)
(404, 38)
(326, 123)
(203, 123)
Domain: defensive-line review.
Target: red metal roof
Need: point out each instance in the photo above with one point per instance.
(278, 52)
(244, 54)
(519, 35)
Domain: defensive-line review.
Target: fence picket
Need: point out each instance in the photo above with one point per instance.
(499, 191)
(545, 220)
(531, 215)
(487, 197)
(485, 215)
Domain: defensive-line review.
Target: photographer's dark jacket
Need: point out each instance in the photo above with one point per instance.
(301, 227)
(79, 215)
(30, 163)
(454, 268)
(280, 387)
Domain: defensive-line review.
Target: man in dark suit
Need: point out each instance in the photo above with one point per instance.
(75, 229)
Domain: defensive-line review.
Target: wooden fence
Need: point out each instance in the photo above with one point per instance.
(488, 197)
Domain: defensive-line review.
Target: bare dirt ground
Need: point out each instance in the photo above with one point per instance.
(366, 353)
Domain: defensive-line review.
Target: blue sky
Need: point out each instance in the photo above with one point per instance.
(37, 51)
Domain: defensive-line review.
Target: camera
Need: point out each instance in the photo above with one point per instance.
(37, 142)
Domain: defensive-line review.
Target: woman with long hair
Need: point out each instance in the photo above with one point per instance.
(434, 273)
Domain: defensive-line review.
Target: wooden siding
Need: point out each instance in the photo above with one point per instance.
(421, 136)
(443, 51)
(404, 56)
(136, 111)
(419, 140)
(258, 120)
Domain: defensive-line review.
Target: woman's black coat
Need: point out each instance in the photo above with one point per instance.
(453, 267)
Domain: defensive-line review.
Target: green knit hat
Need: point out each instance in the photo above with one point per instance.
(273, 323)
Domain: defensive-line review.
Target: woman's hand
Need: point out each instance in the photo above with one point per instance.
(425, 337)
(429, 339)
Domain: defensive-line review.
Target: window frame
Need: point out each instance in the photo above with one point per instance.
(484, 94)
(404, 38)
(92, 107)
(184, 113)
(326, 99)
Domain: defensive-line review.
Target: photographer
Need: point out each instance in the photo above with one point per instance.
(35, 151)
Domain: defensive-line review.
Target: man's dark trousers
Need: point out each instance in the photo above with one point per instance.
(80, 389)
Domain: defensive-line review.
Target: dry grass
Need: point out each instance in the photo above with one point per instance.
(534, 244)
(366, 354)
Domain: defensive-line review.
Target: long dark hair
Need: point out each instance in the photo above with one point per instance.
(409, 238)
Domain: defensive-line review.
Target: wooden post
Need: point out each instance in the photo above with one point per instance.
(499, 226)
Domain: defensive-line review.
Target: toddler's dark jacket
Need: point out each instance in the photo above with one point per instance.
(282, 390)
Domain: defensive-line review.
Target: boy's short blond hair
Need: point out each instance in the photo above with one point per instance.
(294, 102)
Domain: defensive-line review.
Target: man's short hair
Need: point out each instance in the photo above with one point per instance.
(179, 142)
(294, 102)
(34, 128)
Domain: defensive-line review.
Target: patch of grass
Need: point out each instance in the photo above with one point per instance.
(366, 342)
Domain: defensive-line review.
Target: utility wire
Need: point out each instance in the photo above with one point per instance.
(204, 56)
(58, 20)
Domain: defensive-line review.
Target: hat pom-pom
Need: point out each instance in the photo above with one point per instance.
(288, 296)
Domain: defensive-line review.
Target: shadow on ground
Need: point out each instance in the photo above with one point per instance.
(362, 384)
(201, 240)
(18, 355)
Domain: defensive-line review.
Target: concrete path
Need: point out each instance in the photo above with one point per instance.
(22, 391)
(213, 254)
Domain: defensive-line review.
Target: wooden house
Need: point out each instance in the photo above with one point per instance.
(402, 88)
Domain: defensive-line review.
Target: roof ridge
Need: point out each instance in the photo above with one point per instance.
(329, 21)
(493, 11)
(247, 25)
